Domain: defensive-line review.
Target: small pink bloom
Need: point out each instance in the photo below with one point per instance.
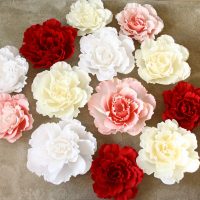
(121, 106)
(14, 116)
(139, 22)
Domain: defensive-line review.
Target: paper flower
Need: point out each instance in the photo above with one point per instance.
(139, 22)
(182, 103)
(162, 61)
(104, 53)
(61, 91)
(88, 16)
(168, 151)
(14, 116)
(43, 45)
(121, 106)
(13, 70)
(115, 172)
(60, 151)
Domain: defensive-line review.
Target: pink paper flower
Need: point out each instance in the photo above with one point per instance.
(139, 22)
(14, 116)
(121, 106)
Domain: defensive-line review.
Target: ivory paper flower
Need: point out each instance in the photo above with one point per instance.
(162, 61)
(61, 91)
(121, 106)
(88, 16)
(104, 53)
(13, 70)
(14, 116)
(168, 151)
(59, 151)
(139, 22)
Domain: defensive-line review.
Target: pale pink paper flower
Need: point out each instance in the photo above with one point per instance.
(121, 106)
(14, 116)
(139, 22)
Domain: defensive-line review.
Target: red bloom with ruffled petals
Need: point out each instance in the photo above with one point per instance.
(46, 44)
(183, 104)
(115, 172)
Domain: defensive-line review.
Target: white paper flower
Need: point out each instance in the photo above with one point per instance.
(162, 61)
(13, 70)
(88, 16)
(61, 91)
(59, 151)
(168, 151)
(104, 53)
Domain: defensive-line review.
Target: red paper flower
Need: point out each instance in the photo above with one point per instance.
(183, 104)
(115, 172)
(45, 44)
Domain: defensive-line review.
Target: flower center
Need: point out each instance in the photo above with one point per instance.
(59, 90)
(59, 94)
(187, 108)
(165, 149)
(88, 16)
(159, 64)
(121, 109)
(103, 56)
(137, 23)
(117, 173)
(62, 149)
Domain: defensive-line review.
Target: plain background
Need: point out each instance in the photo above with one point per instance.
(182, 21)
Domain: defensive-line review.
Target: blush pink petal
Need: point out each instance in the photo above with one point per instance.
(140, 104)
(131, 125)
(110, 126)
(151, 10)
(140, 90)
(94, 110)
(108, 86)
(5, 97)
(128, 92)
(150, 100)
(137, 128)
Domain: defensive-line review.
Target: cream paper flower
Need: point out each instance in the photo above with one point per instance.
(168, 151)
(59, 151)
(162, 61)
(13, 70)
(104, 53)
(88, 16)
(61, 91)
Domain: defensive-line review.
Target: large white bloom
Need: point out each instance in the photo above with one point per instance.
(162, 61)
(88, 16)
(13, 70)
(61, 91)
(59, 151)
(168, 151)
(104, 53)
